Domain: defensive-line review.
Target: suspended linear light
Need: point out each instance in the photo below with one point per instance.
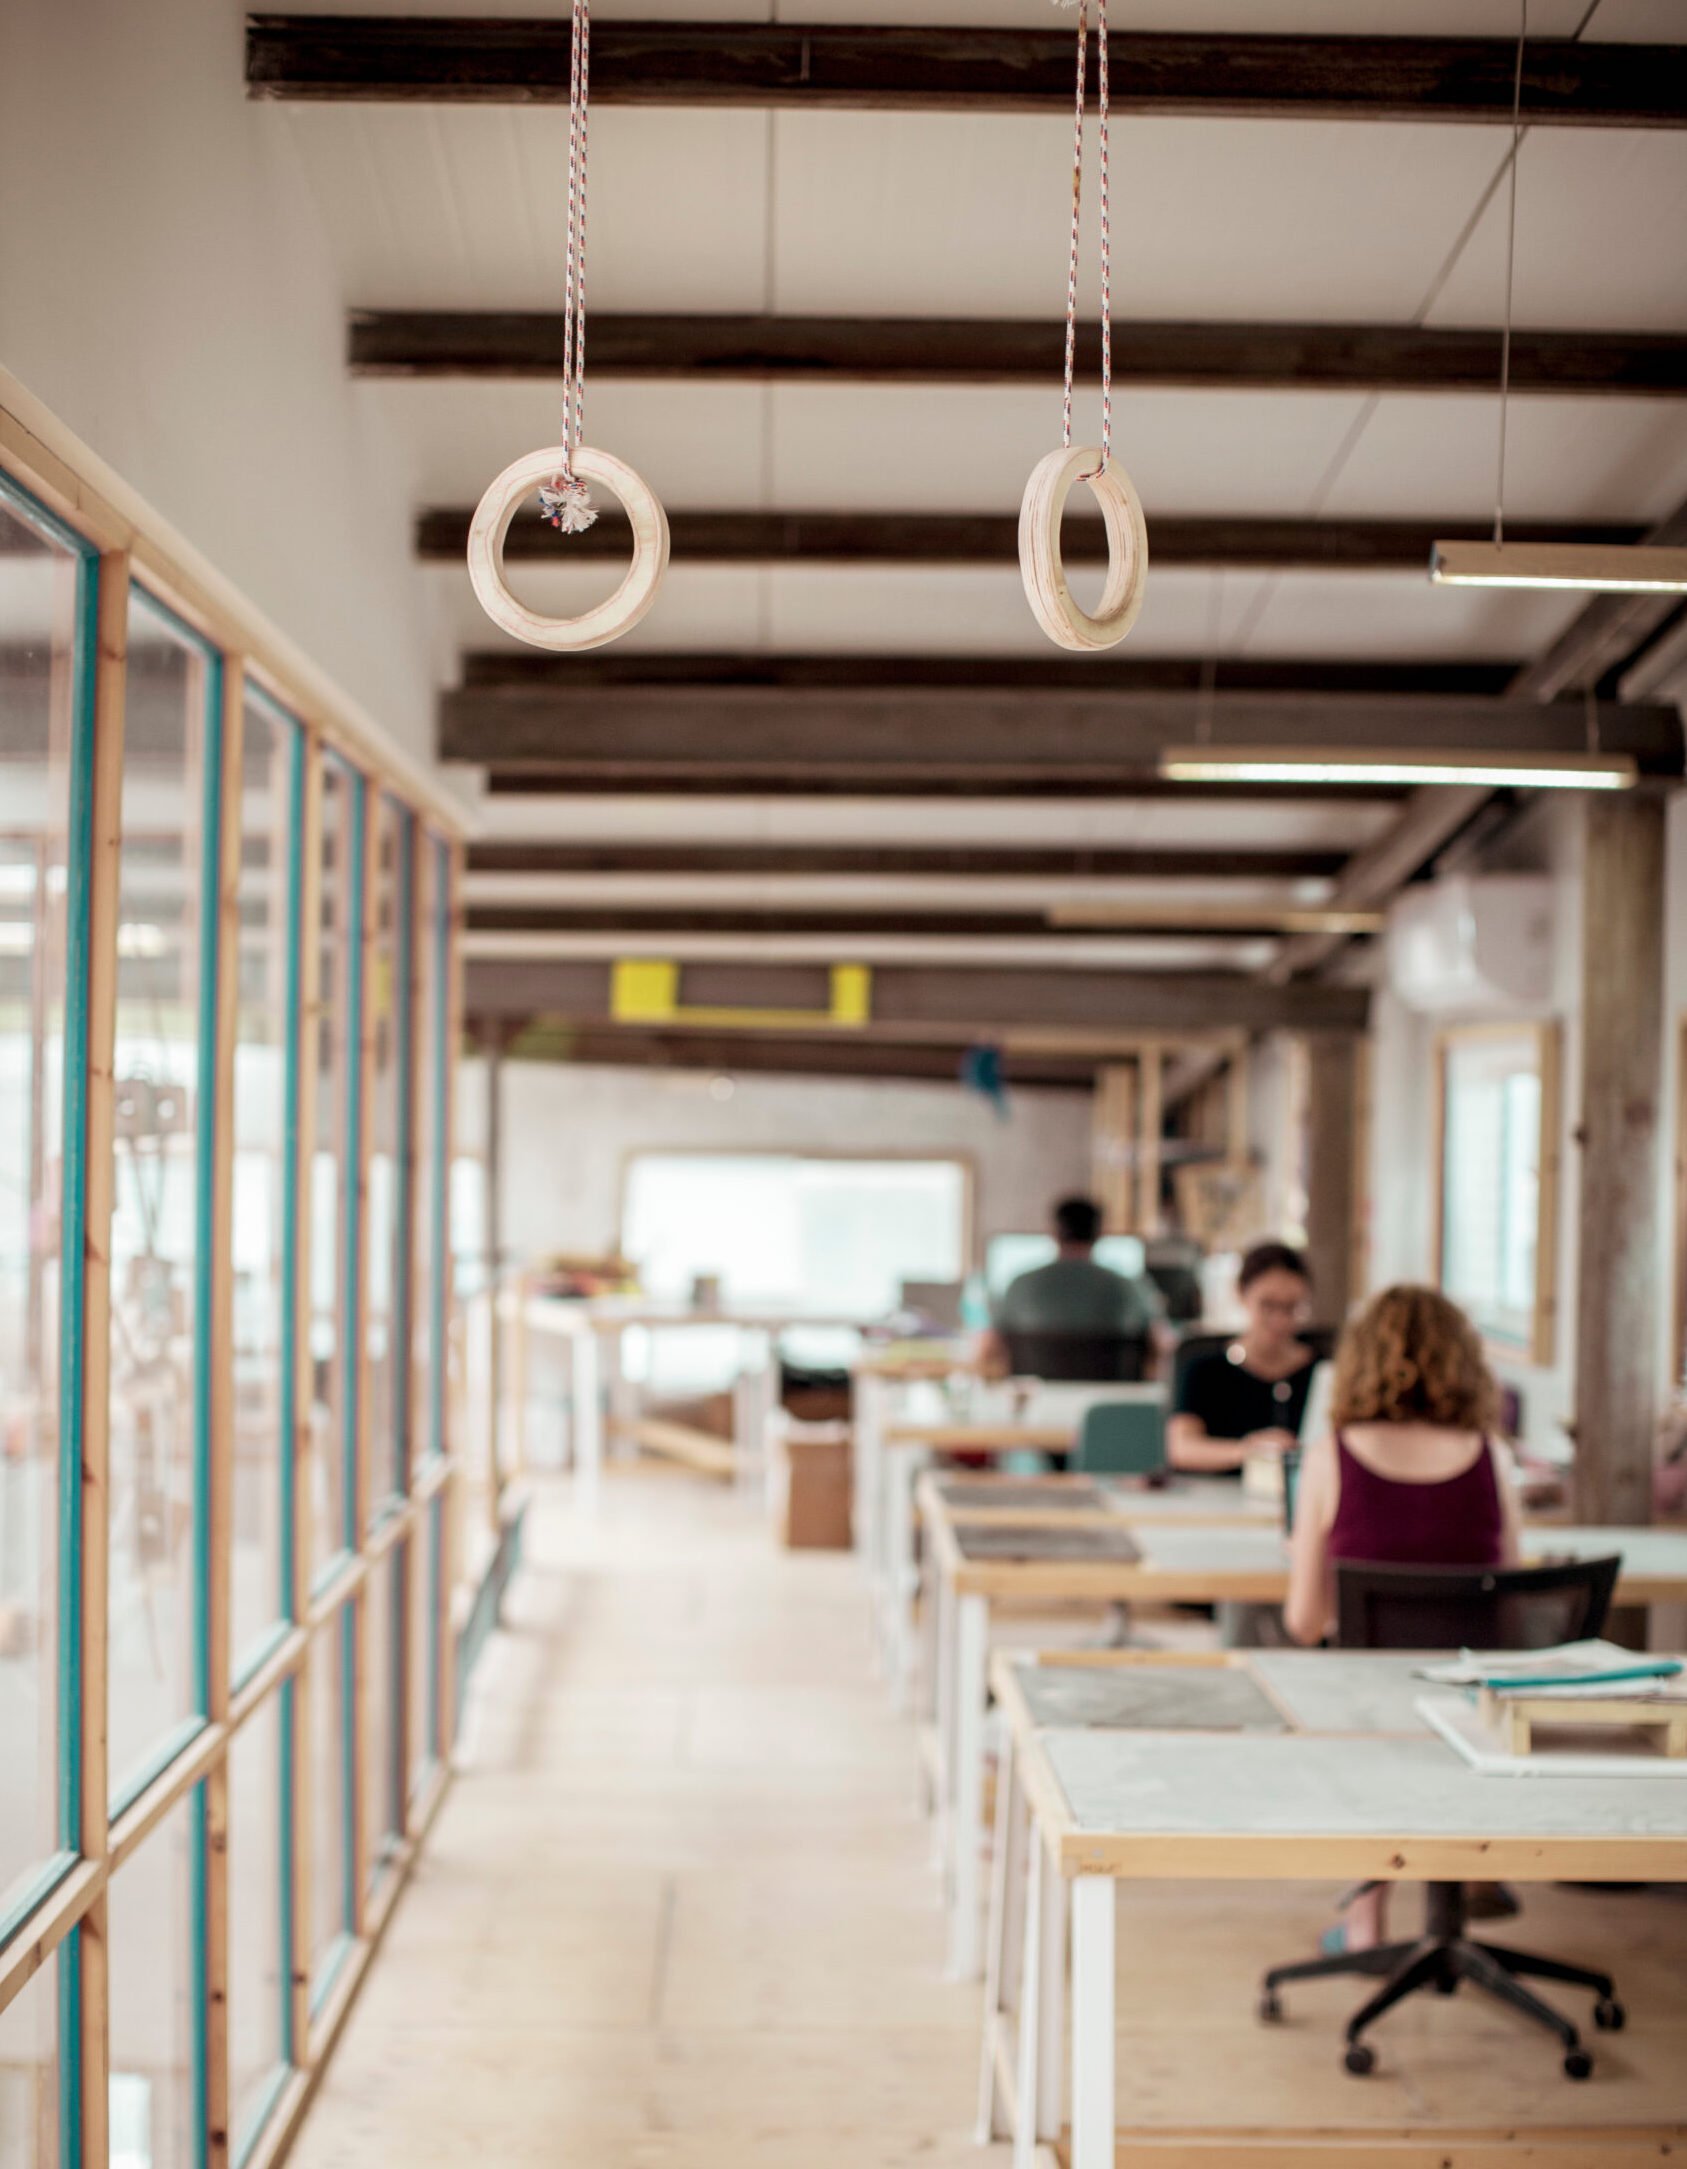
(1608, 569)
(1338, 764)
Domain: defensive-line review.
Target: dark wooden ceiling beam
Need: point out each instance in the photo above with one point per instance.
(983, 538)
(968, 861)
(961, 350)
(463, 60)
(938, 1005)
(656, 923)
(745, 674)
(1078, 736)
(791, 1054)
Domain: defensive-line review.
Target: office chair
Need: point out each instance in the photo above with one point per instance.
(1122, 1438)
(1488, 1608)
(1079, 1358)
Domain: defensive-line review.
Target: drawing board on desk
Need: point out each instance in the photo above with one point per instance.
(1149, 1698)
(1083, 1540)
(1250, 1784)
(1573, 1751)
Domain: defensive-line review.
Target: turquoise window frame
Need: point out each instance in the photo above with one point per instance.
(204, 1203)
(73, 1206)
(281, 719)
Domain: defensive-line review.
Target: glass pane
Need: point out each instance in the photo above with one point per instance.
(427, 1316)
(153, 1987)
(38, 599)
(254, 1918)
(260, 1170)
(327, 1217)
(29, 2075)
(154, 1227)
(1491, 1179)
(330, 1655)
(388, 999)
(383, 1673)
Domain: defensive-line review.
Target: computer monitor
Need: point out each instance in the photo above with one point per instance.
(1007, 1256)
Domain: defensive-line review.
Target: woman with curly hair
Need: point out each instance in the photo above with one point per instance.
(1409, 1474)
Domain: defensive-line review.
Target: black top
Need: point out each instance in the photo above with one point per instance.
(1232, 1400)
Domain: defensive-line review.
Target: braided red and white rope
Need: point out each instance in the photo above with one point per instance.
(1106, 233)
(567, 503)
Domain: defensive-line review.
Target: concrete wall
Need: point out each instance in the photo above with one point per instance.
(568, 1133)
(167, 290)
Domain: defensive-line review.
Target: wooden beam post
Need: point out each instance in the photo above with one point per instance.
(1113, 1146)
(1620, 1167)
(1151, 1124)
(1332, 1124)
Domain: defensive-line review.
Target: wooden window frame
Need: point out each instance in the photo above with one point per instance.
(1538, 1350)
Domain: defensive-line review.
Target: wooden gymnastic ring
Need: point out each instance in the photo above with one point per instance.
(607, 620)
(1040, 563)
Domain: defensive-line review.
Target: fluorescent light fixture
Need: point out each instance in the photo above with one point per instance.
(1607, 569)
(1219, 919)
(1338, 764)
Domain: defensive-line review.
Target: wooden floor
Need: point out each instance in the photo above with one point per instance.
(678, 1913)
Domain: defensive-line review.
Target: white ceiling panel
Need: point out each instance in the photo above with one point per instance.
(1042, 952)
(696, 444)
(700, 606)
(914, 610)
(1434, 456)
(1632, 19)
(888, 893)
(1601, 234)
(465, 206)
(969, 448)
(1401, 616)
(1169, 822)
(968, 213)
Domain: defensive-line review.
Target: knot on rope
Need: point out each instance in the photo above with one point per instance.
(565, 503)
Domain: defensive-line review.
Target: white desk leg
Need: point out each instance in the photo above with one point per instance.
(1093, 2116)
(867, 1413)
(997, 1958)
(755, 1397)
(972, 1636)
(901, 1570)
(586, 1418)
(1030, 2012)
(623, 1394)
(942, 1602)
(1051, 2003)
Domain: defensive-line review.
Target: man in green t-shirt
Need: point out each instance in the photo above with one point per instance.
(1071, 1294)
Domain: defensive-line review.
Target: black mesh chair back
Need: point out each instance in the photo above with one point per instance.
(1079, 1358)
(1407, 1607)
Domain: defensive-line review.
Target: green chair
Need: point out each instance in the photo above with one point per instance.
(1122, 1438)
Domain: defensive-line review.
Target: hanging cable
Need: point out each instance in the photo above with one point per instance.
(1102, 109)
(567, 503)
(1510, 260)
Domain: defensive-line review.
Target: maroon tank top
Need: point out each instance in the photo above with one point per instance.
(1453, 1522)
